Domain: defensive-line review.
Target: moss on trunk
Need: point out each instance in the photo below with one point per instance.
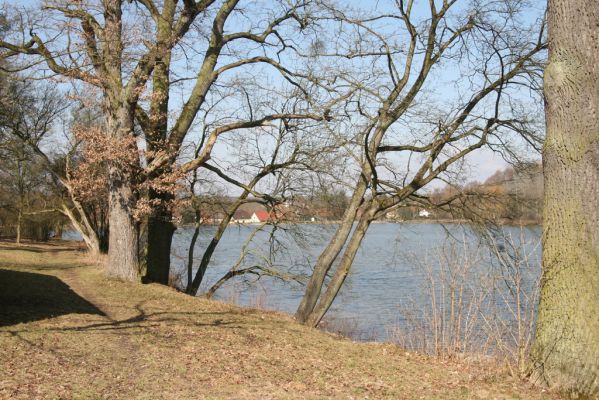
(566, 350)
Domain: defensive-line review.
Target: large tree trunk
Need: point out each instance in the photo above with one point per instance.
(123, 247)
(160, 226)
(566, 349)
(160, 236)
(123, 242)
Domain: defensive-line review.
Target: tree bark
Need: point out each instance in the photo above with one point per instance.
(160, 236)
(123, 250)
(327, 298)
(191, 249)
(566, 350)
(19, 218)
(123, 243)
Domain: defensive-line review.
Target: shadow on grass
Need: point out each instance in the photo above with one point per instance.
(158, 319)
(26, 296)
(165, 321)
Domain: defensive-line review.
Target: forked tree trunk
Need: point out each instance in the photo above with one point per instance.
(566, 349)
(329, 255)
(342, 270)
(327, 258)
(90, 237)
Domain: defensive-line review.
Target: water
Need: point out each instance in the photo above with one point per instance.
(393, 270)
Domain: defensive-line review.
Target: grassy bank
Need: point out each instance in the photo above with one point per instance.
(68, 332)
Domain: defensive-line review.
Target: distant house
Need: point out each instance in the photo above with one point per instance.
(261, 216)
(424, 214)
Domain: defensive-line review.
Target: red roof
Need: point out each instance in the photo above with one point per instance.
(262, 216)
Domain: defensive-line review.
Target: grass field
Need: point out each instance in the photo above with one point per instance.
(67, 332)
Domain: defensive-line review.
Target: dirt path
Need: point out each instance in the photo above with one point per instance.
(124, 342)
(72, 279)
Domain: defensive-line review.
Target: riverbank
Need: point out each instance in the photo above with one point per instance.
(66, 331)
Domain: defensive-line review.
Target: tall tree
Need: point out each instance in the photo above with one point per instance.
(121, 48)
(403, 139)
(566, 349)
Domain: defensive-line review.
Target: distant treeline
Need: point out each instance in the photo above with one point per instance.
(510, 195)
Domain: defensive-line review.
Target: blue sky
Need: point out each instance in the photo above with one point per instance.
(483, 162)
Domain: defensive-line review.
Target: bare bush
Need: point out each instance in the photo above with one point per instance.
(476, 300)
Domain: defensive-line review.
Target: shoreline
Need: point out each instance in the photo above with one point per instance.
(527, 223)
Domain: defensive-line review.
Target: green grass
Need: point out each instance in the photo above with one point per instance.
(66, 331)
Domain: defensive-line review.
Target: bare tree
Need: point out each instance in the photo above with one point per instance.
(119, 48)
(268, 167)
(403, 139)
(31, 119)
(28, 115)
(21, 178)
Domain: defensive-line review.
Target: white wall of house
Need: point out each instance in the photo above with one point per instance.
(241, 221)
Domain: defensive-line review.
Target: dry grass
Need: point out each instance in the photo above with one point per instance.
(68, 332)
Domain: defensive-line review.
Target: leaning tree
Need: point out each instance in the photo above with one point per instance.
(433, 83)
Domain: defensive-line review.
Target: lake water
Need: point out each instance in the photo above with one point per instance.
(399, 272)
